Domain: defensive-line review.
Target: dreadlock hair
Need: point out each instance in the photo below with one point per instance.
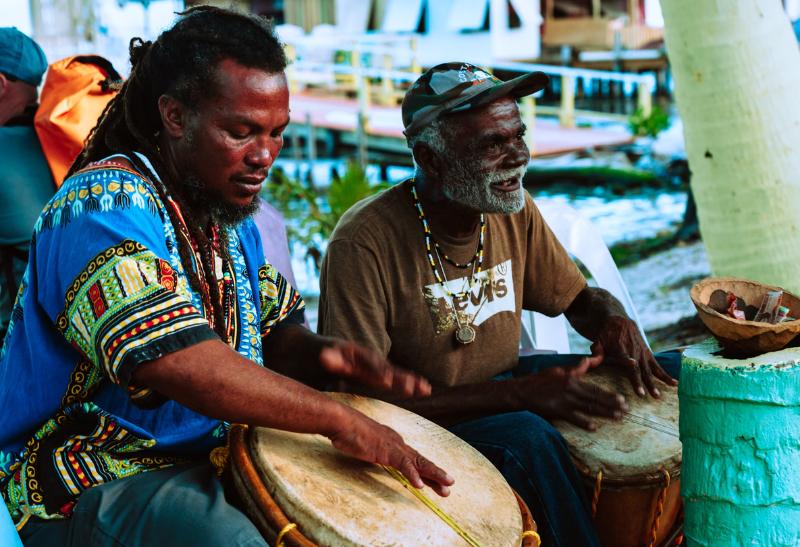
(181, 63)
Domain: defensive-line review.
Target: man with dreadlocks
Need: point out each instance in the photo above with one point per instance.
(147, 305)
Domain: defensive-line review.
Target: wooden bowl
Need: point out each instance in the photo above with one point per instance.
(739, 336)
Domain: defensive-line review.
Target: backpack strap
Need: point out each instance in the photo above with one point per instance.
(113, 80)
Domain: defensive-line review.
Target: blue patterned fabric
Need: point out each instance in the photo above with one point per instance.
(103, 292)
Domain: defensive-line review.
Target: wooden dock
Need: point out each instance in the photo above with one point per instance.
(334, 120)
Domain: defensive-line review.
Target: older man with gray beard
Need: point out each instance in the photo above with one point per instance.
(434, 273)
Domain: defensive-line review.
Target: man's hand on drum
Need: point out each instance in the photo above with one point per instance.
(559, 393)
(367, 440)
(620, 343)
(358, 364)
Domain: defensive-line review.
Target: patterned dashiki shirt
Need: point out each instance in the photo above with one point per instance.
(105, 290)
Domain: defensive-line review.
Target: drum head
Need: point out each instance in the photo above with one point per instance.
(337, 500)
(631, 451)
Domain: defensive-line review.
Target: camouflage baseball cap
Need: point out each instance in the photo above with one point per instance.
(456, 87)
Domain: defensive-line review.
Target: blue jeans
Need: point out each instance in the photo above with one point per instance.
(180, 505)
(534, 459)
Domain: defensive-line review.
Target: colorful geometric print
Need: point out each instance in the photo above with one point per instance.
(123, 304)
(278, 298)
(96, 189)
(82, 446)
(249, 338)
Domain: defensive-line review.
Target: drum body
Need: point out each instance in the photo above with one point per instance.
(631, 467)
(287, 479)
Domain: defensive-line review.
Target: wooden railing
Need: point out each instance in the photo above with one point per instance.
(385, 85)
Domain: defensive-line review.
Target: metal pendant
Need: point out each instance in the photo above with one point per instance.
(465, 334)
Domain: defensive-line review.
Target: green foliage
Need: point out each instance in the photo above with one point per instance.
(312, 213)
(648, 126)
(348, 190)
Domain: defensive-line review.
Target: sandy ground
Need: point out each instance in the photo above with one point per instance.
(659, 287)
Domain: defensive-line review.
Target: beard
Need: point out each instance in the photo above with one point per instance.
(467, 185)
(201, 199)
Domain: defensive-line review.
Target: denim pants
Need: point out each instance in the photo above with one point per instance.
(182, 505)
(534, 459)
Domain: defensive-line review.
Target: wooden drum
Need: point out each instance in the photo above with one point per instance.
(631, 467)
(300, 491)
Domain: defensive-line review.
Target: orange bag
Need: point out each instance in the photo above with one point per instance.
(75, 92)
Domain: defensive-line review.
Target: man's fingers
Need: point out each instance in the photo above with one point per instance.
(369, 368)
(433, 475)
(333, 361)
(372, 369)
(410, 384)
(633, 370)
(582, 368)
(406, 466)
(419, 471)
(580, 420)
(402, 382)
(649, 381)
(443, 491)
(608, 400)
(595, 360)
(422, 387)
(598, 350)
(591, 404)
(662, 374)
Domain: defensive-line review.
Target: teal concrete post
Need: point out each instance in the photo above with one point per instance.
(740, 428)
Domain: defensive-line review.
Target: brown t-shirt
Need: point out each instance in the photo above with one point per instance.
(378, 288)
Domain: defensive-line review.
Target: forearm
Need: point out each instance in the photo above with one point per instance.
(591, 309)
(215, 381)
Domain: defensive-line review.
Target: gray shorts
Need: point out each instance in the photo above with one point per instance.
(180, 505)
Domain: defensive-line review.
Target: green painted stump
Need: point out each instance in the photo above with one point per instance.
(740, 428)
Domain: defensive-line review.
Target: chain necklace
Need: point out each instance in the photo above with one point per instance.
(465, 333)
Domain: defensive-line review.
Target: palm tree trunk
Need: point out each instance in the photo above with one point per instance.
(736, 66)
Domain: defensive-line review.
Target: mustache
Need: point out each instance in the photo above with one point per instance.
(505, 174)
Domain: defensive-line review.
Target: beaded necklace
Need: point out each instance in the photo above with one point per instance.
(432, 245)
(443, 255)
(222, 274)
(222, 269)
(465, 333)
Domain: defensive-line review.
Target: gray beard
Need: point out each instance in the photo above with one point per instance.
(201, 199)
(466, 185)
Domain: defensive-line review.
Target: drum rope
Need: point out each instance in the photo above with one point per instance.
(432, 506)
(662, 496)
(537, 539)
(652, 424)
(598, 482)
(285, 530)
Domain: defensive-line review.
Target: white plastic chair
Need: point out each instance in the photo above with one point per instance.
(8, 533)
(582, 240)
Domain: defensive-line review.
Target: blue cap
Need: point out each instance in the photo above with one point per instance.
(20, 57)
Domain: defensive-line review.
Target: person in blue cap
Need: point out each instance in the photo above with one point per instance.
(25, 180)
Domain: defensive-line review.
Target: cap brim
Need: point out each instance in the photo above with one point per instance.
(521, 86)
